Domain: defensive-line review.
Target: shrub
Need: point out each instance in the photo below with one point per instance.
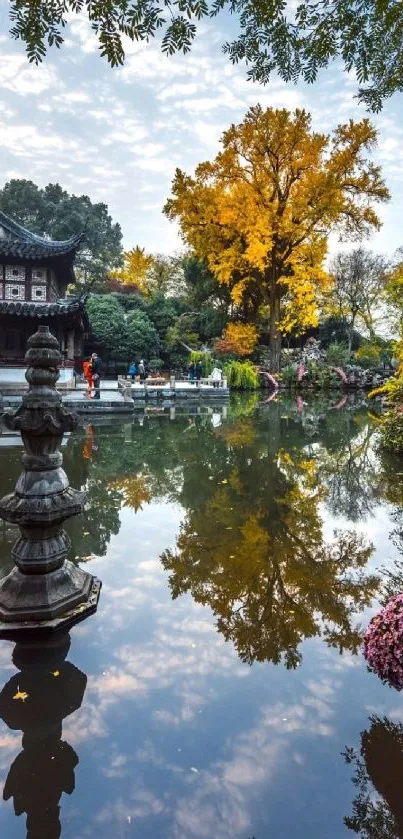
(155, 364)
(242, 375)
(143, 338)
(368, 356)
(321, 376)
(337, 354)
(207, 362)
(392, 430)
(289, 374)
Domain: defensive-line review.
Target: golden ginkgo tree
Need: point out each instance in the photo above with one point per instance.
(136, 266)
(261, 212)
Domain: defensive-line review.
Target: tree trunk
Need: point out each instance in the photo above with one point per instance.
(275, 334)
(350, 341)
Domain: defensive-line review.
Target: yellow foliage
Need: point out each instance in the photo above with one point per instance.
(136, 266)
(240, 338)
(261, 211)
(134, 489)
(21, 695)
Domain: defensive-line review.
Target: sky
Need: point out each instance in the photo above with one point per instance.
(118, 135)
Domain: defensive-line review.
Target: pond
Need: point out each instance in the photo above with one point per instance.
(220, 690)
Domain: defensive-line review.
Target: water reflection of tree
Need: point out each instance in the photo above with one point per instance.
(379, 766)
(253, 550)
(348, 464)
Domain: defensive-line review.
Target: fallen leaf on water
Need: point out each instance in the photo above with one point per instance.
(224, 481)
(56, 673)
(86, 533)
(193, 769)
(21, 695)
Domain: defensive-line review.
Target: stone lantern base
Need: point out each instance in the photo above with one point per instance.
(13, 622)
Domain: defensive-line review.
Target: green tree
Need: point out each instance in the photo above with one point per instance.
(142, 337)
(165, 275)
(359, 279)
(272, 38)
(52, 211)
(162, 311)
(108, 329)
(334, 329)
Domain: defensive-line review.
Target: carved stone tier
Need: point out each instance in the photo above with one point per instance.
(44, 588)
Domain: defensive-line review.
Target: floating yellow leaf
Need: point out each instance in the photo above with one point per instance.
(20, 695)
(56, 673)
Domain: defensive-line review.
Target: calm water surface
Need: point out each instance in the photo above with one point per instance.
(220, 690)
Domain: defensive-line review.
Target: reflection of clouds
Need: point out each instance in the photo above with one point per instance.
(87, 723)
(141, 804)
(221, 800)
(114, 685)
(10, 745)
(118, 767)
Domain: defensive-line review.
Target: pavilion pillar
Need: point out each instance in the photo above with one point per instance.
(70, 345)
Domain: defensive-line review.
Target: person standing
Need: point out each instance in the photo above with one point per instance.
(87, 370)
(96, 374)
(198, 370)
(132, 370)
(216, 377)
(142, 370)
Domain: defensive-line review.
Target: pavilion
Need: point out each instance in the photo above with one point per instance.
(34, 274)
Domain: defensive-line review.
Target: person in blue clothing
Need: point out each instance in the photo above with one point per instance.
(132, 370)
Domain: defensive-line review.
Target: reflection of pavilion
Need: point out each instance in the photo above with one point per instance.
(36, 701)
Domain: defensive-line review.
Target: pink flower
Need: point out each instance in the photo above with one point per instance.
(383, 643)
(341, 374)
(300, 372)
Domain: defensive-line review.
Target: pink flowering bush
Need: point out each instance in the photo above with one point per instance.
(300, 372)
(341, 374)
(383, 643)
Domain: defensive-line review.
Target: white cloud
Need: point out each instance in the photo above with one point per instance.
(22, 78)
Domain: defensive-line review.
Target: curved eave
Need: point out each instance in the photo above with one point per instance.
(40, 310)
(25, 235)
(10, 249)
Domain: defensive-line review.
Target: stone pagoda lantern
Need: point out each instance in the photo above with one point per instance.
(44, 591)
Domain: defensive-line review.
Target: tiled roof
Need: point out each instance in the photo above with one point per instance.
(42, 310)
(21, 243)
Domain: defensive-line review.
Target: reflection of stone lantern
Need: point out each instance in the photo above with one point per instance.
(36, 701)
(44, 590)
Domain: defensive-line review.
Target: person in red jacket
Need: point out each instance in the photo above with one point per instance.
(87, 370)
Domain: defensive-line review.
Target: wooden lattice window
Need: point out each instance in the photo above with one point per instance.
(38, 292)
(15, 291)
(15, 273)
(39, 275)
